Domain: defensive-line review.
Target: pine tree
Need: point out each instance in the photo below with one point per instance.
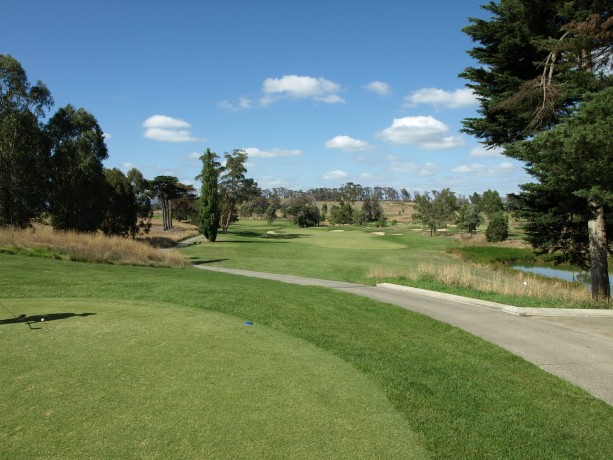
(540, 59)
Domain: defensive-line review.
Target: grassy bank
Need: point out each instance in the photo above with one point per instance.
(461, 396)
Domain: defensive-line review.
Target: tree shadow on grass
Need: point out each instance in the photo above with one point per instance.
(198, 261)
(160, 242)
(279, 236)
(33, 319)
(284, 236)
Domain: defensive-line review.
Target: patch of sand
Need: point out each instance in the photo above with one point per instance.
(337, 230)
(270, 232)
(378, 233)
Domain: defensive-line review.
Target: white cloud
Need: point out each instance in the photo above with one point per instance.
(348, 144)
(163, 121)
(378, 87)
(242, 104)
(254, 152)
(168, 129)
(469, 169)
(503, 168)
(334, 175)
(428, 169)
(300, 87)
(457, 99)
(107, 136)
(476, 168)
(427, 133)
(481, 151)
(407, 167)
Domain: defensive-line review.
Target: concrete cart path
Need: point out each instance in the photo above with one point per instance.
(578, 349)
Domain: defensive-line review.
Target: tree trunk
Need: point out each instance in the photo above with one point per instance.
(601, 288)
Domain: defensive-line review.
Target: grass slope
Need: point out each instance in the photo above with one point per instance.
(149, 380)
(464, 397)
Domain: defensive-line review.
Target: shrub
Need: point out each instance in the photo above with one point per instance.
(498, 228)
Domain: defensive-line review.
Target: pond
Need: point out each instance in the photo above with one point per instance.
(566, 275)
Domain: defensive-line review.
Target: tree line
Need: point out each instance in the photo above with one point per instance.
(53, 169)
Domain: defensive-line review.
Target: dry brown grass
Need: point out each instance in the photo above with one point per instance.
(507, 283)
(160, 238)
(90, 247)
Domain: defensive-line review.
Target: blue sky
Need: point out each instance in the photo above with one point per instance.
(319, 93)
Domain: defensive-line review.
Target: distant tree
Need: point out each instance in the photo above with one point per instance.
(24, 151)
(372, 209)
(406, 196)
(166, 189)
(490, 203)
(303, 211)
(234, 187)
(271, 214)
(142, 191)
(424, 211)
(351, 192)
(185, 204)
(469, 218)
(475, 199)
(209, 213)
(122, 207)
(77, 198)
(445, 206)
(324, 211)
(341, 215)
(498, 228)
(436, 210)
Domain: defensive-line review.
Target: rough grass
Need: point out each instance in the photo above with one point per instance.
(43, 241)
(160, 238)
(504, 286)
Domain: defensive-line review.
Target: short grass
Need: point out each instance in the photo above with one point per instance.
(341, 252)
(400, 254)
(461, 397)
(127, 379)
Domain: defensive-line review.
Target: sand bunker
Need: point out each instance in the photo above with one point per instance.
(378, 233)
(337, 230)
(270, 232)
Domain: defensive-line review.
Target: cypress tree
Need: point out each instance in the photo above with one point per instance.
(209, 212)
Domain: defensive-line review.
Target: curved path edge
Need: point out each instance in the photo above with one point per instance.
(579, 349)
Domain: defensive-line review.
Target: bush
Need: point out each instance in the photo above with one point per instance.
(498, 228)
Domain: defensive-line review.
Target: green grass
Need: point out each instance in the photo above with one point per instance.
(370, 255)
(153, 380)
(461, 396)
(339, 253)
(494, 254)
